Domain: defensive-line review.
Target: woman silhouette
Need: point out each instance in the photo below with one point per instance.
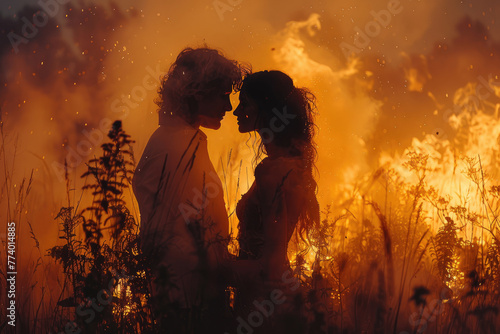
(282, 198)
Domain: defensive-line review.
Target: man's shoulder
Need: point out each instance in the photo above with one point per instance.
(170, 139)
(174, 143)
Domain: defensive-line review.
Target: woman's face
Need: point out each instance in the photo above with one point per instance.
(247, 114)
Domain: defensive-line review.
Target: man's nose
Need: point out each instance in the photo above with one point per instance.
(229, 106)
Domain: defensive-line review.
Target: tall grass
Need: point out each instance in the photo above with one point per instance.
(13, 200)
(398, 275)
(375, 265)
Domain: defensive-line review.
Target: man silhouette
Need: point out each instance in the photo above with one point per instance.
(184, 224)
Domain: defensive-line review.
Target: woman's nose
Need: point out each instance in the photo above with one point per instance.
(229, 106)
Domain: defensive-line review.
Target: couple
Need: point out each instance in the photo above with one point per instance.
(184, 224)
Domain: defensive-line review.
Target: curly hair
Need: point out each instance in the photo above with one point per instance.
(196, 73)
(277, 98)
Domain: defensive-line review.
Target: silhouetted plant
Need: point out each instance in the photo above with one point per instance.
(106, 270)
(446, 243)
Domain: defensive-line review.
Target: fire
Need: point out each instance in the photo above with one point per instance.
(462, 166)
(124, 293)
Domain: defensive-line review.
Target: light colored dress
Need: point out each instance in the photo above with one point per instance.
(184, 221)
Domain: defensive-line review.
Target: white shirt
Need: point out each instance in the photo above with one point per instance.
(182, 206)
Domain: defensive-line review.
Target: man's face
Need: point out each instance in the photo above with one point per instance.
(212, 108)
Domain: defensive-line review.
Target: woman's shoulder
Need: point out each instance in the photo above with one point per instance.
(280, 163)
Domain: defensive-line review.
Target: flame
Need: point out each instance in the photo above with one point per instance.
(463, 167)
(124, 293)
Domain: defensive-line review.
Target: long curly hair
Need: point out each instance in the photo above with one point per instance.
(196, 73)
(280, 102)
